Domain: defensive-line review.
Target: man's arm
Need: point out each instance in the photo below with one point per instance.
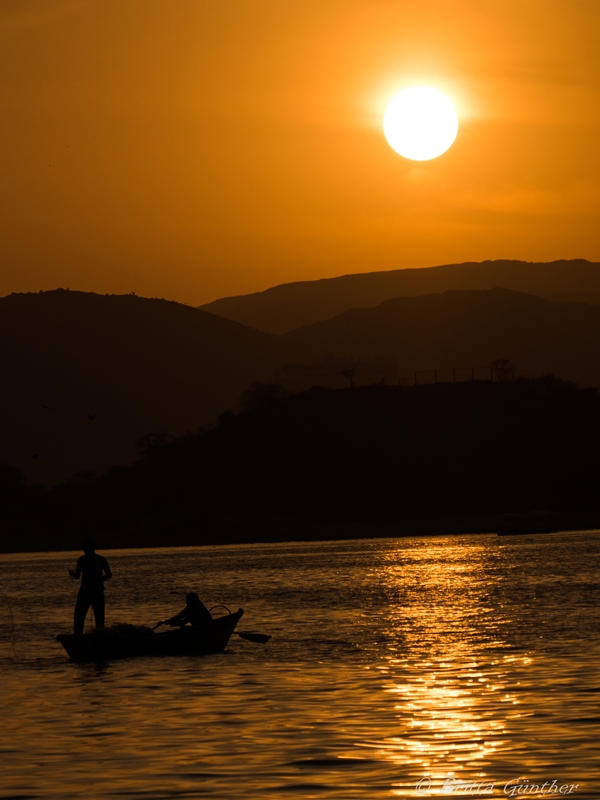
(178, 619)
(76, 573)
(107, 572)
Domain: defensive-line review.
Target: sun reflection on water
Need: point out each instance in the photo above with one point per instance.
(465, 659)
(453, 704)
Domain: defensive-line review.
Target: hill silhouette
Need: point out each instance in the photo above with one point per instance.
(369, 460)
(461, 329)
(282, 308)
(85, 375)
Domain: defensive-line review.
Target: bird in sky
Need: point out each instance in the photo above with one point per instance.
(91, 416)
(46, 407)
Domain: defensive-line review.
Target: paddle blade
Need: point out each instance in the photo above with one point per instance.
(260, 638)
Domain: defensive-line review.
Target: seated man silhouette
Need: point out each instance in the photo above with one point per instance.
(93, 570)
(195, 614)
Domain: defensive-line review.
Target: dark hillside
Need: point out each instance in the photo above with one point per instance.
(368, 456)
(85, 376)
(393, 452)
(133, 364)
(290, 305)
(463, 329)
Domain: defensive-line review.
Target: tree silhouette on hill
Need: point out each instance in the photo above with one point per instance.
(503, 369)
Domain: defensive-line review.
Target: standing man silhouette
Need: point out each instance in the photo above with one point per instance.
(94, 570)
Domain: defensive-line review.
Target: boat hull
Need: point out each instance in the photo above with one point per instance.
(107, 644)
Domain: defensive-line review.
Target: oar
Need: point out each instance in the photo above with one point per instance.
(259, 638)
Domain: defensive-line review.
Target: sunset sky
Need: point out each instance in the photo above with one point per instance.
(191, 149)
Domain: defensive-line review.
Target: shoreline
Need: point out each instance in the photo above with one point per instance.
(286, 530)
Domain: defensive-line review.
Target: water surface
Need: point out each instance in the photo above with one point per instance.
(473, 659)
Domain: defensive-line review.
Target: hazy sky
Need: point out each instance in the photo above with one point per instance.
(191, 149)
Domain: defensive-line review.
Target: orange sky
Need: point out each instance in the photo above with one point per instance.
(191, 149)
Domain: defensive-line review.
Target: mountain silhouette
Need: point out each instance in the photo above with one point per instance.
(461, 329)
(282, 308)
(86, 376)
(142, 365)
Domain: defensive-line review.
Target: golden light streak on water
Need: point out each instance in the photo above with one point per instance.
(391, 662)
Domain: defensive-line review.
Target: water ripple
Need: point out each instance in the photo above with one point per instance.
(469, 659)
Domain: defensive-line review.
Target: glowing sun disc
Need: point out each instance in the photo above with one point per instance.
(420, 123)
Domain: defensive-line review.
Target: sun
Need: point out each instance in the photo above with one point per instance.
(420, 123)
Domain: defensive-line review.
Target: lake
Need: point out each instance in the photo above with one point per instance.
(397, 668)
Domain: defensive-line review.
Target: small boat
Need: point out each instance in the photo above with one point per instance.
(130, 641)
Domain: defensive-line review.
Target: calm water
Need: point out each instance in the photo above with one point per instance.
(474, 659)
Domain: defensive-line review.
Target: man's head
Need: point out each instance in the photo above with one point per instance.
(192, 599)
(89, 547)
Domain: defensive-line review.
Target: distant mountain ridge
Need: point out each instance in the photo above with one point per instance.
(290, 305)
(462, 329)
(83, 376)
